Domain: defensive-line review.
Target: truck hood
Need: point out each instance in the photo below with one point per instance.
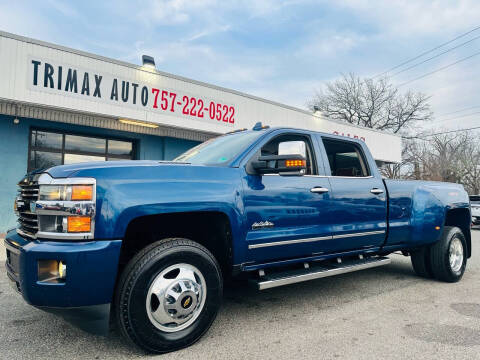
(64, 171)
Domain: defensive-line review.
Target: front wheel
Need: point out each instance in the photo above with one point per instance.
(448, 255)
(168, 295)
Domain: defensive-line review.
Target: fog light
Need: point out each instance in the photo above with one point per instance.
(62, 270)
(52, 271)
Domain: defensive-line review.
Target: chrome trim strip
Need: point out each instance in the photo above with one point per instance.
(65, 208)
(296, 241)
(342, 236)
(64, 235)
(288, 242)
(268, 284)
(351, 177)
(329, 176)
(46, 179)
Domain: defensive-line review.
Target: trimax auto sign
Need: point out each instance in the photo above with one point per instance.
(52, 77)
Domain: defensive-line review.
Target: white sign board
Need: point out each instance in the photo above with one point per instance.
(55, 77)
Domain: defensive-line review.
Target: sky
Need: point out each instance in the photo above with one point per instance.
(280, 50)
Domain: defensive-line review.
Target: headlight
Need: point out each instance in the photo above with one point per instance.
(66, 192)
(65, 208)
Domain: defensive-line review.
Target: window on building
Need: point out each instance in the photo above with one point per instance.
(49, 148)
(345, 158)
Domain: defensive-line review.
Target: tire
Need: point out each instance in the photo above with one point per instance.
(421, 262)
(146, 312)
(442, 267)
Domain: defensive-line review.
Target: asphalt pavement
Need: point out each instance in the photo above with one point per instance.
(382, 313)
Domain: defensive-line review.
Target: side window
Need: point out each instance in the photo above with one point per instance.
(292, 145)
(345, 158)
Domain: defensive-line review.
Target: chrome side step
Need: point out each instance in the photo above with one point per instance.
(321, 270)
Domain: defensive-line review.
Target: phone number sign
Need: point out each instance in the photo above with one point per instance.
(49, 76)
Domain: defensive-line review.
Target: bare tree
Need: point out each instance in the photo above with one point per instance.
(470, 165)
(371, 103)
(379, 105)
(449, 157)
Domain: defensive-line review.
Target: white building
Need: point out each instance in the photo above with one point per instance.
(60, 105)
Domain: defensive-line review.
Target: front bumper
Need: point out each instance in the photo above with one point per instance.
(92, 271)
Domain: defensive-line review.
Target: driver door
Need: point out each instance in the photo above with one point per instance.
(287, 216)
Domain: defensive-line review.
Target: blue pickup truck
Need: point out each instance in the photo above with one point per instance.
(154, 241)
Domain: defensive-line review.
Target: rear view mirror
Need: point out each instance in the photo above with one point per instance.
(292, 147)
(293, 165)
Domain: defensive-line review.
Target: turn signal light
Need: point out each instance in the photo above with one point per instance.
(78, 224)
(82, 192)
(295, 163)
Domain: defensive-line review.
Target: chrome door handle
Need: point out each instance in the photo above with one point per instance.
(319, 190)
(376, 191)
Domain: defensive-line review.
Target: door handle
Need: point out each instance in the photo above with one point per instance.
(319, 190)
(376, 191)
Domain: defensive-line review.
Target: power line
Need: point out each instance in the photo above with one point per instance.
(457, 117)
(435, 56)
(440, 69)
(461, 110)
(427, 52)
(440, 133)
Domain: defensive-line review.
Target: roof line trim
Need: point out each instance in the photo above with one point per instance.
(137, 67)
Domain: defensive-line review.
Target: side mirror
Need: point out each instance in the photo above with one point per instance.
(287, 165)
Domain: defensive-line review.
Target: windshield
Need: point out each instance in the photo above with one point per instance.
(220, 150)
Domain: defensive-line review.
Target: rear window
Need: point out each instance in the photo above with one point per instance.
(475, 199)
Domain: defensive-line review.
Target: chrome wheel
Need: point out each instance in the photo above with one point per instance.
(456, 255)
(176, 297)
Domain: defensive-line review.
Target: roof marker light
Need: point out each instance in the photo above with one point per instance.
(258, 126)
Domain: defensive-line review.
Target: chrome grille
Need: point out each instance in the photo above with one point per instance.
(26, 198)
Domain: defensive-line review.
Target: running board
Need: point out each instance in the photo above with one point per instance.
(321, 270)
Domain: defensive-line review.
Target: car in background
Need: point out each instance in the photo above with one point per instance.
(475, 209)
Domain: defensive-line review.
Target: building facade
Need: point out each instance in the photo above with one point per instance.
(61, 106)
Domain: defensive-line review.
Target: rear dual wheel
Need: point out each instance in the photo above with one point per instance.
(445, 260)
(168, 295)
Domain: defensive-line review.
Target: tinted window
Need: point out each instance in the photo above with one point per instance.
(475, 199)
(44, 159)
(345, 158)
(116, 147)
(85, 144)
(48, 140)
(48, 149)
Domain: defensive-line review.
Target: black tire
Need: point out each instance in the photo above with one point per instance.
(440, 253)
(139, 274)
(421, 262)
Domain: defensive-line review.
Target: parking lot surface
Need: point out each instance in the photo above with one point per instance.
(386, 312)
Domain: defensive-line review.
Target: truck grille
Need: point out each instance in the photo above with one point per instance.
(26, 200)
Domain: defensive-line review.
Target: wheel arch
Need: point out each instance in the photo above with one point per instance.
(461, 218)
(211, 229)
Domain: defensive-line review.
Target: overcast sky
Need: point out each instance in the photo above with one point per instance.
(280, 50)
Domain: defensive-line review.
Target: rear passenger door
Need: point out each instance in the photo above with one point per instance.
(358, 196)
